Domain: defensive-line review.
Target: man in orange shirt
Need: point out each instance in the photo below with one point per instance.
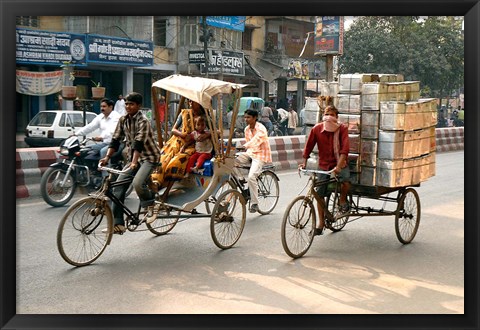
(257, 152)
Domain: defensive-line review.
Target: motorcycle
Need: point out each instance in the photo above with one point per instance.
(78, 168)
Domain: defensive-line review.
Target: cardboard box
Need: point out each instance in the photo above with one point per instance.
(392, 116)
(352, 83)
(352, 121)
(349, 104)
(373, 94)
(390, 145)
(370, 124)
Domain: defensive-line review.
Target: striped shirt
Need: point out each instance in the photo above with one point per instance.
(138, 134)
(257, 144)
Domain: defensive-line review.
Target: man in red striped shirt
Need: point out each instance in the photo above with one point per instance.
(332, 141)
(257, 152)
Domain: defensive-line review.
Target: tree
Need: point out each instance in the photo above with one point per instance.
(429, 50)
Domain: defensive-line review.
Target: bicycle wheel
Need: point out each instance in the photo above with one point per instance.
(228, 219)
(51, 187)
(298, 226)
(407, 217)
(164, 223)
(229, 184)
(268, 192)
(80, 239)
(333, 204)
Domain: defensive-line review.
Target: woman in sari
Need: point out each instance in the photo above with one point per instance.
(173, 161)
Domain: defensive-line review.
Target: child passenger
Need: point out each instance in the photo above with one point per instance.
(203, 147)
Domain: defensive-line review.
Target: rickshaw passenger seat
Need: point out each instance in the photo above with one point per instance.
(208, 168)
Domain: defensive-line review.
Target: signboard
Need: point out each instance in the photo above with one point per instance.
(298, 69)
(39, 83)
(328, 35)
(233, 63)
(196, 56)
(236, 23)
(50, 48)
(111, 50)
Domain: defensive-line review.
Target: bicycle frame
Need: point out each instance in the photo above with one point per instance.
(315, 183)
(107, 190)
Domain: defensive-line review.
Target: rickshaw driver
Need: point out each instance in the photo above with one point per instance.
(144, 156)
(257, 152)
(333, 145)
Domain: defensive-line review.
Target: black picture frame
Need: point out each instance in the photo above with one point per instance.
(9, 9)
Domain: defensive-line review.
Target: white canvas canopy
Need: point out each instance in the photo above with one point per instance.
(198, 89)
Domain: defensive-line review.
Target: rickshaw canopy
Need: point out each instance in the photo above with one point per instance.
(198, 89)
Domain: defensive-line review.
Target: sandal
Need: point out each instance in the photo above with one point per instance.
(119, 229)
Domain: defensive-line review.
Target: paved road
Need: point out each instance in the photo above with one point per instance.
(361, 270)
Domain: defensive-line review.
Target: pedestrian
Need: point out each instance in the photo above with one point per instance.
(267, 117)
(331, 139)
(144, 156)
(302, 121)
(229, 116)
(257, 153)
(292, 121)
(282, 120)
(120, 106)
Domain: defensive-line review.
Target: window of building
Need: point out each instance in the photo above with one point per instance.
(160, 31)
(247, 39)
(31, 21)
(189, 31)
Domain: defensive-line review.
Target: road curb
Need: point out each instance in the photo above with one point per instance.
(287, 152)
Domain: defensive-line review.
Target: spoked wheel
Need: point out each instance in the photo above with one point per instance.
(57, 190)
(407, 217)
(228, 219)
(268, 192)
(80, 239)
(333, 204)
(298, 226)
(164, 223)
(229, 184)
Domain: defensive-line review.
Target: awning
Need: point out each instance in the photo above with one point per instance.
(265, 70)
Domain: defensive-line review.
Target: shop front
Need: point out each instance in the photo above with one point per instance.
(47, 61)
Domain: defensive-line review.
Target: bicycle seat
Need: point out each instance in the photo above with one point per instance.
(269, 166)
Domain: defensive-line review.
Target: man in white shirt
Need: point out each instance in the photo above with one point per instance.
(120, 106)
(106, 122)
(283, 120)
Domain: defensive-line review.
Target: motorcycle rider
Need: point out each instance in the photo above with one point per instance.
(107, 122)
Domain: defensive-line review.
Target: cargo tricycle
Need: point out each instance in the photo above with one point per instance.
(299, 220)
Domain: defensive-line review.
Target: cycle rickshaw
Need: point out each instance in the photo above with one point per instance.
(300, 218)
(80, 239)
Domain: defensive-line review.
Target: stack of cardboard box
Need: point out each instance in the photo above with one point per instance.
(391, 130)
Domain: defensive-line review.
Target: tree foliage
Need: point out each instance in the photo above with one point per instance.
(428, 50)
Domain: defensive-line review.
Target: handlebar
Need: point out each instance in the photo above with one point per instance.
(115, 171)
(308, 172)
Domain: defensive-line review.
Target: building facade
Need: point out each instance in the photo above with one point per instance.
(127, 54)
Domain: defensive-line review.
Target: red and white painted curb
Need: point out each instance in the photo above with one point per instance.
(30, 164)
(449, 138)
(287, 152)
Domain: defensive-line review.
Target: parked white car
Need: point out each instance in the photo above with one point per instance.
(50, 127)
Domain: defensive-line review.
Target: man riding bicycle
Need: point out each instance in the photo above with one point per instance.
(257, 152)
(333, 145)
